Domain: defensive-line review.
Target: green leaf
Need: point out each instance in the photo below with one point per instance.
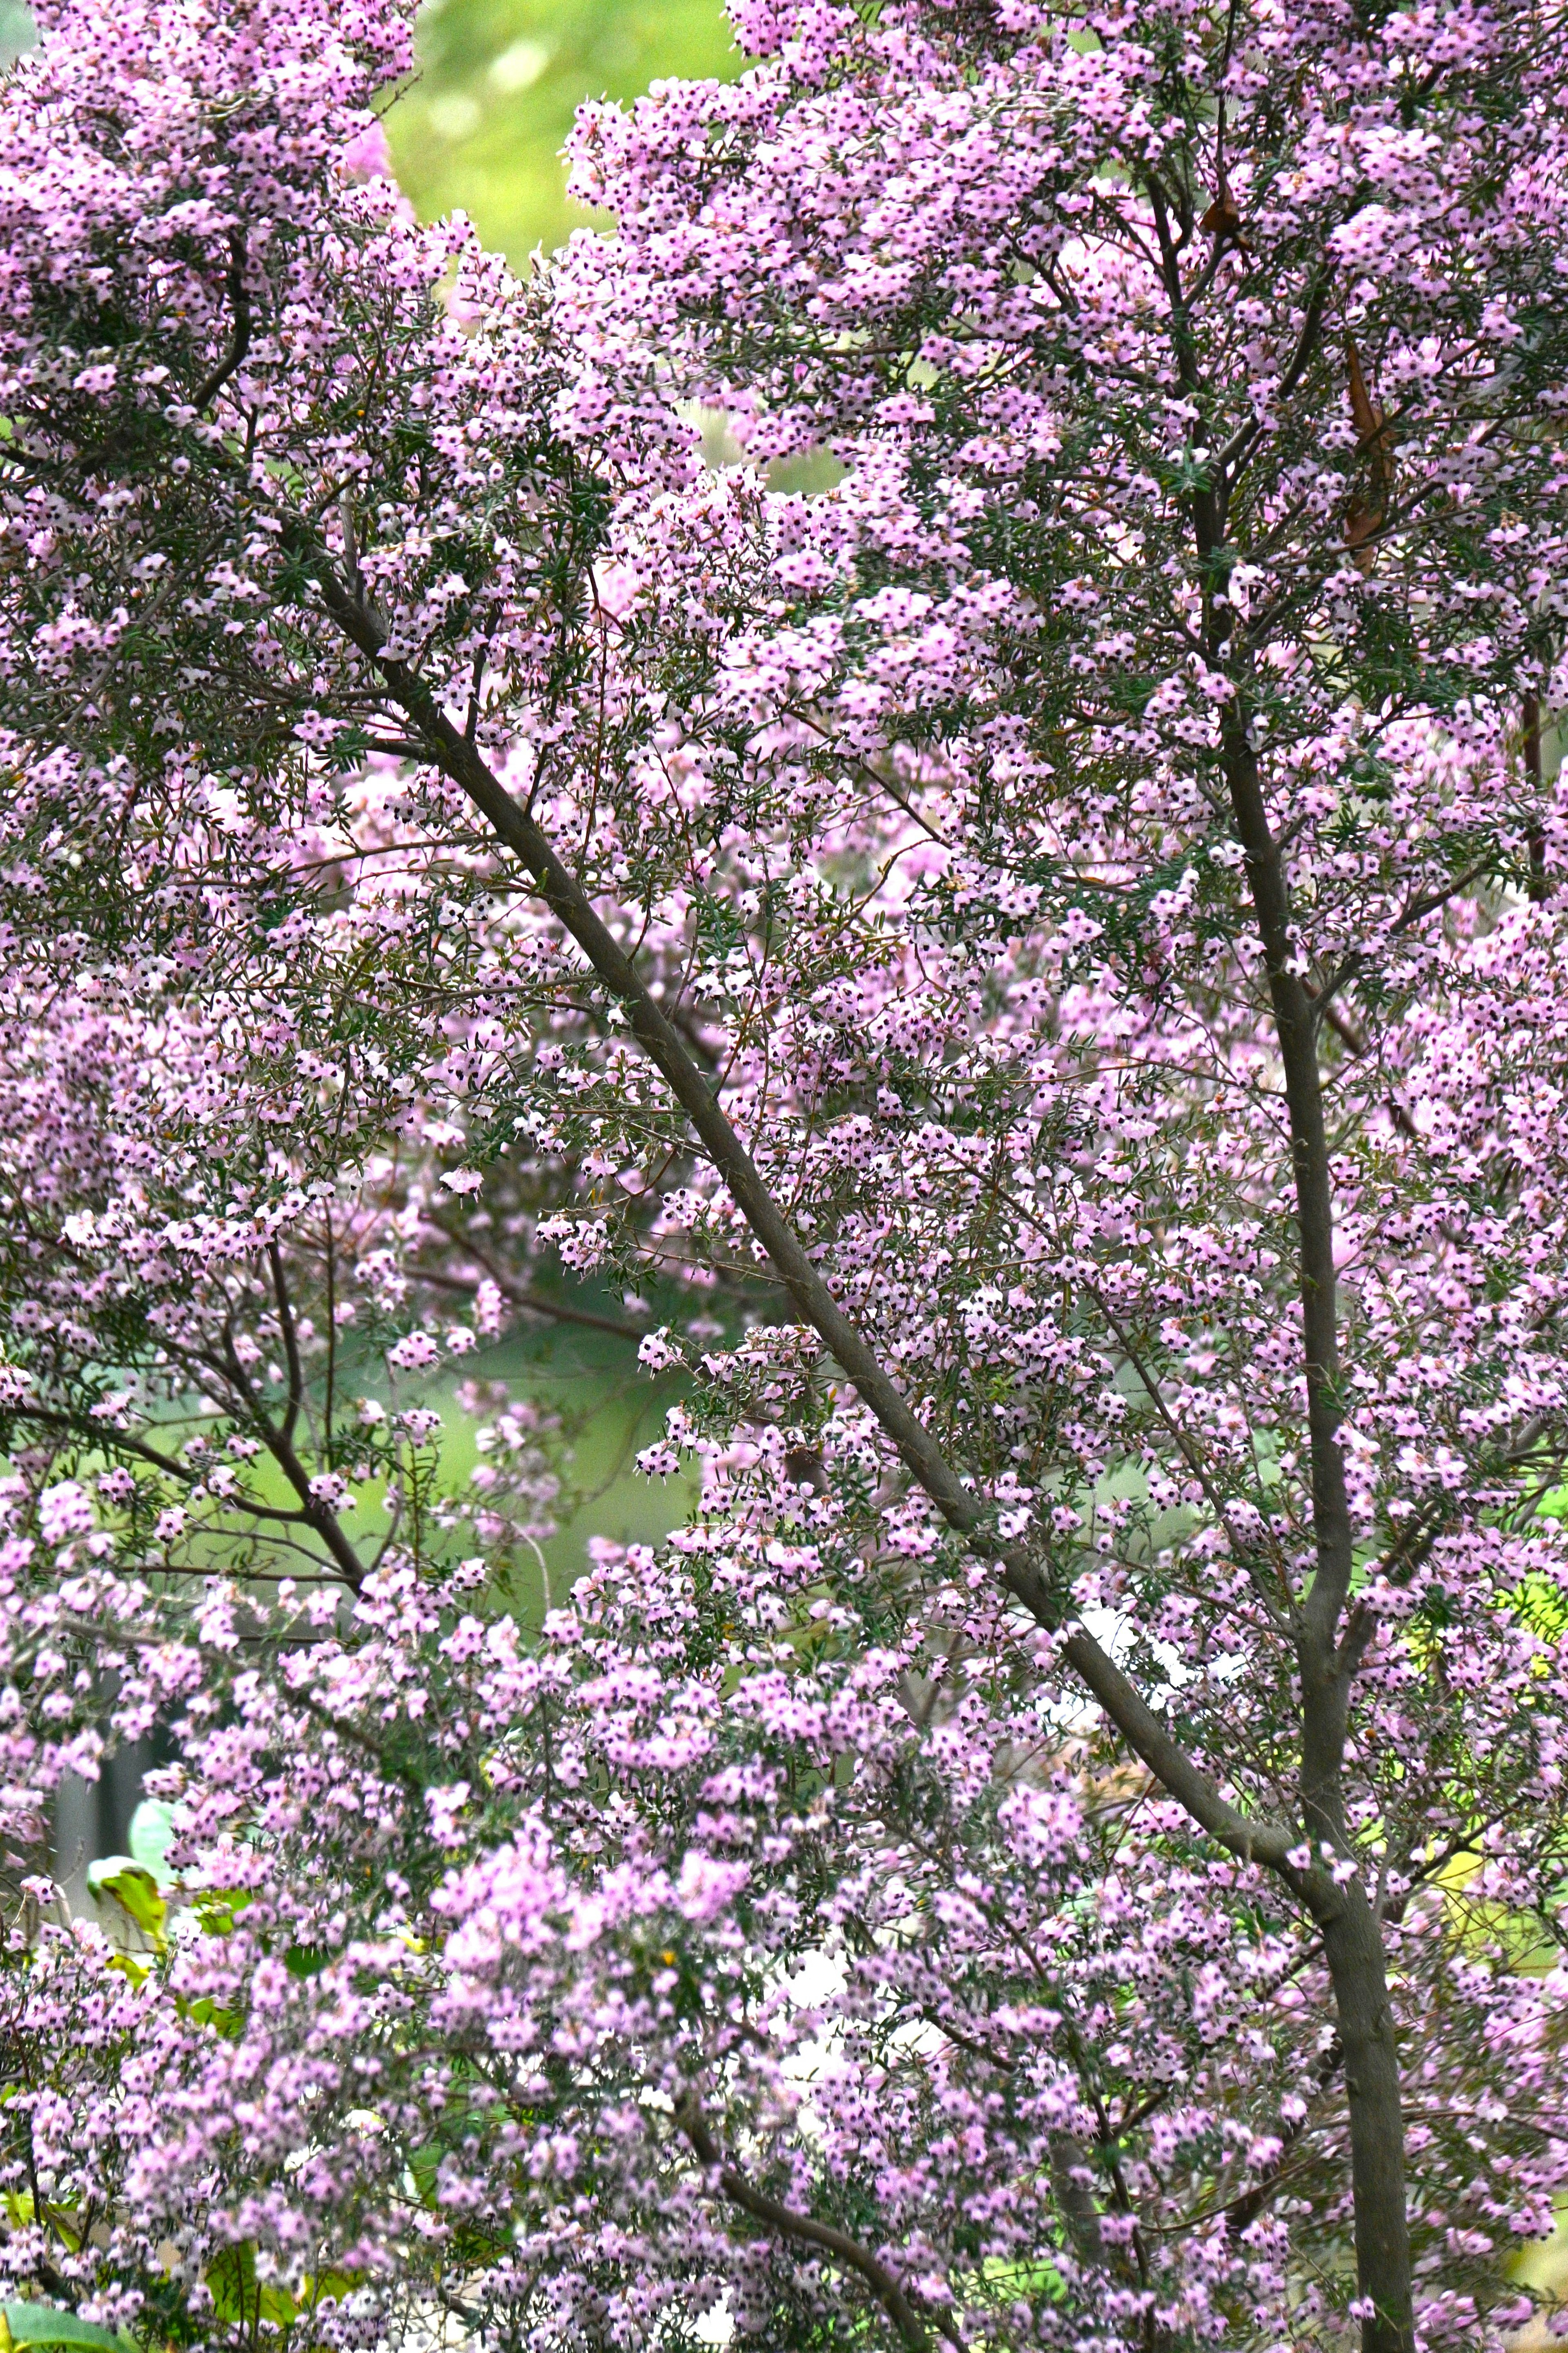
(218, 1907)
(136, 1891)
(41, 2324)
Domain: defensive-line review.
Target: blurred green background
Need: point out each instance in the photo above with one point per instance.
(482, 124)
(609, 1407)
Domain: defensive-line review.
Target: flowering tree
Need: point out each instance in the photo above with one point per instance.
(1022, 917)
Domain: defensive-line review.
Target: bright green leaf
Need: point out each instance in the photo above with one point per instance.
(43, 2324)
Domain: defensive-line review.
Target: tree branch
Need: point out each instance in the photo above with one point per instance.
(103, 1435)
(240, 340)
(785, 2219)
(290, 1343)
(965, 1512)
(521, 1294)
(1325, 1686)
(318, 1516)
(1244, 2210)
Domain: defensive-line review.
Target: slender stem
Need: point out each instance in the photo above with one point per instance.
(1241, 2212)
(329, 1411)
(103, 1436)
(521, 1294)
(1295, 1025)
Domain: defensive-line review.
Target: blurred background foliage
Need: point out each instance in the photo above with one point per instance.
(482, 123)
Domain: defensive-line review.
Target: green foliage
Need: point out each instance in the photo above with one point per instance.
(239, 2298)
(135, 1893)
(41, 2324)
(242, 2300)
(483, 124)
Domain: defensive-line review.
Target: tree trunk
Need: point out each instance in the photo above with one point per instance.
(1353, 1943)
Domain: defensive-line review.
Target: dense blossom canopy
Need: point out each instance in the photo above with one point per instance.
(1015, 919)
